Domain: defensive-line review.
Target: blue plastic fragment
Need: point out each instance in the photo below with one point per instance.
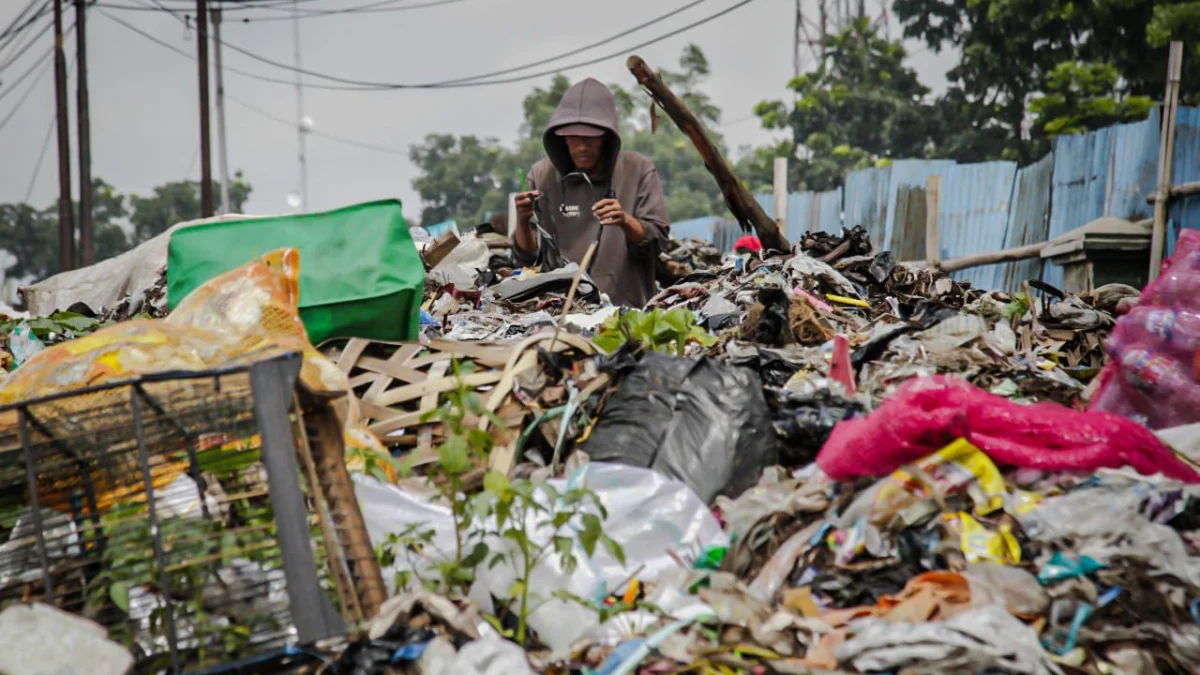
(1061, 568)
(409, 652)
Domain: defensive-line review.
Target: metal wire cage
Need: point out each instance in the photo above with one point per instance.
(172, 510)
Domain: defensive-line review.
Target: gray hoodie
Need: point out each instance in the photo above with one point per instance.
(623, 270)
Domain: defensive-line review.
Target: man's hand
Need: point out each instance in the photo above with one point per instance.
(522, 234)
(524, 202)
(610, 213)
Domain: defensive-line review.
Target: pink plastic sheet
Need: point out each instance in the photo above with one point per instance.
(926, 414)
(1152, 371)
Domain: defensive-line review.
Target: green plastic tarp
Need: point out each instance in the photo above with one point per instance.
(360, 274)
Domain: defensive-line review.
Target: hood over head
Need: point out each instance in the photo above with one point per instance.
(586, 102)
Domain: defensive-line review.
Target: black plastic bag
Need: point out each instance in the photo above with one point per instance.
(692, 419)
(804, 423)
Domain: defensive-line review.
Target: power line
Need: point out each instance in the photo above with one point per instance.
(25, 96)
(611, 38)
(13, 28)
(371, 8)
(254, 76)
(317, 13)
(462, 82)
(37, 168)
(21, 52)
(339, 139)
(473, 81)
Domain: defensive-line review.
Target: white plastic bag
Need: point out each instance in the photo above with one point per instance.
(648, 515)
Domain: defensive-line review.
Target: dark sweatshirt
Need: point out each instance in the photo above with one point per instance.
(623, 270)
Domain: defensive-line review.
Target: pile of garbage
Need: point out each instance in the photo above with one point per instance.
(815, 463)
(818, 462)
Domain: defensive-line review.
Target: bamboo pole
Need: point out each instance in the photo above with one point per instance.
(933, 188)
(1007, 255)
(1166, 154)
(738, 198)
(781, 193)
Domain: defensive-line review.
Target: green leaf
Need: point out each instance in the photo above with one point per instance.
(614, 549)
(517, 589)
(502, 510)
(476, 556)
(76, 323)
(563, 545)
(590, 533)
(480, 440)
(453, 455)
(496, 560)
(495, 482)
(560, 519)
(119, 592)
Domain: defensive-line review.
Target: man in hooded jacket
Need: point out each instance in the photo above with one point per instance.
(588, 190)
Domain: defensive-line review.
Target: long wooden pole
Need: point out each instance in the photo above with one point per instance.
(933, 200)
(87, 247)
(66, 220)
(781, 193)
(737, 197)
(1166, 155)
(206, 183)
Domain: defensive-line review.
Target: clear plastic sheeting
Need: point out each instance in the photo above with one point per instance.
(651, 516)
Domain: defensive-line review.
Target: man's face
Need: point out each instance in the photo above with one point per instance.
(585, 151)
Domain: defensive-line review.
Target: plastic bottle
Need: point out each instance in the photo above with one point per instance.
(1173, 330)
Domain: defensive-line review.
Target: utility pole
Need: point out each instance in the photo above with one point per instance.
(206, 191)
(87, 250)
(66, 224)
(300, 130)
(222, 147)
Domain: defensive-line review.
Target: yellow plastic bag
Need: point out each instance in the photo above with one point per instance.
(244, 315)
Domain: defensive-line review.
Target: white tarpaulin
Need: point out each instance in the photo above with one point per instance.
(103, 285)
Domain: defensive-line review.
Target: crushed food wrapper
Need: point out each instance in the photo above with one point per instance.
(957, 467)
(981, 544)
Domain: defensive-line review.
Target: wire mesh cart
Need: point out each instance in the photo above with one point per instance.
(201, 517)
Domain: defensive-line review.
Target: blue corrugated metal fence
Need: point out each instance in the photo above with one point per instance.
(993, 205)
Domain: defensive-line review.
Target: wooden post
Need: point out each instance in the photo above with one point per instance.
(66, 219)
(510, 228)
(933, 188)
(781, 193)
(737, 197)
(1166, 154)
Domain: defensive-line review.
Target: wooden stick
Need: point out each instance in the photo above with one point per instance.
(1177, 192)
(1166, 153)
(587, 260)
(1007, 255)
(781, 193)
(737, 197)
(933, 189)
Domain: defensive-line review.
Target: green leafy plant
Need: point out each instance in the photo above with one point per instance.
(668, 331)
(535, 521)
(57, 327)
(202, 546)
(465, 447)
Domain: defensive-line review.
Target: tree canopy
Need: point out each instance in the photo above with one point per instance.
(31, 234)
(466, 177)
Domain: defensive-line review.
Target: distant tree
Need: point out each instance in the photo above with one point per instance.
(177, 202)
(861, 107)
(31, 234)
(466, 177)
(1034, 69)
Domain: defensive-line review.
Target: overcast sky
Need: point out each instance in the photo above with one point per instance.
(144, 97)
